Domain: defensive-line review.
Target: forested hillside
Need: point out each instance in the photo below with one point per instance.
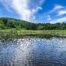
(6, 23)
(14, 23)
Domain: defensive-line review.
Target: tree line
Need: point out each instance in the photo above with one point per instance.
(6, 23)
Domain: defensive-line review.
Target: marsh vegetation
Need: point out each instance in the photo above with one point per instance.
(10, 27)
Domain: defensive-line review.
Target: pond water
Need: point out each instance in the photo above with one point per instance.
(32, 51)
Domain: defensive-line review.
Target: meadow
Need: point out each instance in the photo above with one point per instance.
(21, 31)
(9, 33)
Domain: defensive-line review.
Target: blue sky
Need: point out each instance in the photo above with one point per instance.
(42, 11)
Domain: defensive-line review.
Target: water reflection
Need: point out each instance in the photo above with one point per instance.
(33, 52)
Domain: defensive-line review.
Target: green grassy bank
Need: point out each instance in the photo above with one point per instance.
(15, 33)
(21, 31)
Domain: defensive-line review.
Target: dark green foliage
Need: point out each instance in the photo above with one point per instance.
(6, 23)
(14, 23)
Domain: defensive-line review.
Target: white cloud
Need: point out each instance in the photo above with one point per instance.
(57, 7)
(35, 10)
(62, 12)
(60, 20)
(6, 4)
(22, 7)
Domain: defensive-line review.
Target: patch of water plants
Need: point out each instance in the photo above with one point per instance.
(14, 34)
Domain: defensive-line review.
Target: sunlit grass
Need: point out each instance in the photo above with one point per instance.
(60, 32)
(15, 33)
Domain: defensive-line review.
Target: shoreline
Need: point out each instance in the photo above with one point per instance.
(13, 33)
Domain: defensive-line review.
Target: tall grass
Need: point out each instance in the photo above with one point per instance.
(9, 33)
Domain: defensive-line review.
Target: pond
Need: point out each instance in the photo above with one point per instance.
(33, 51)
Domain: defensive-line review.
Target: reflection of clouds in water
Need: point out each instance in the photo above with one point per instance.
(57, 49)
(60, 44)
(39, 49)
(22, 51)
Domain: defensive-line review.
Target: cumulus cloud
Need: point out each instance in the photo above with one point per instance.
(24, 8)
(60, 20)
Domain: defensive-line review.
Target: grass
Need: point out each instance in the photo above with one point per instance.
(7, 33)
(57, 32)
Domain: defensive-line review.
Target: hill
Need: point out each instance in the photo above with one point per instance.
(8, 23)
